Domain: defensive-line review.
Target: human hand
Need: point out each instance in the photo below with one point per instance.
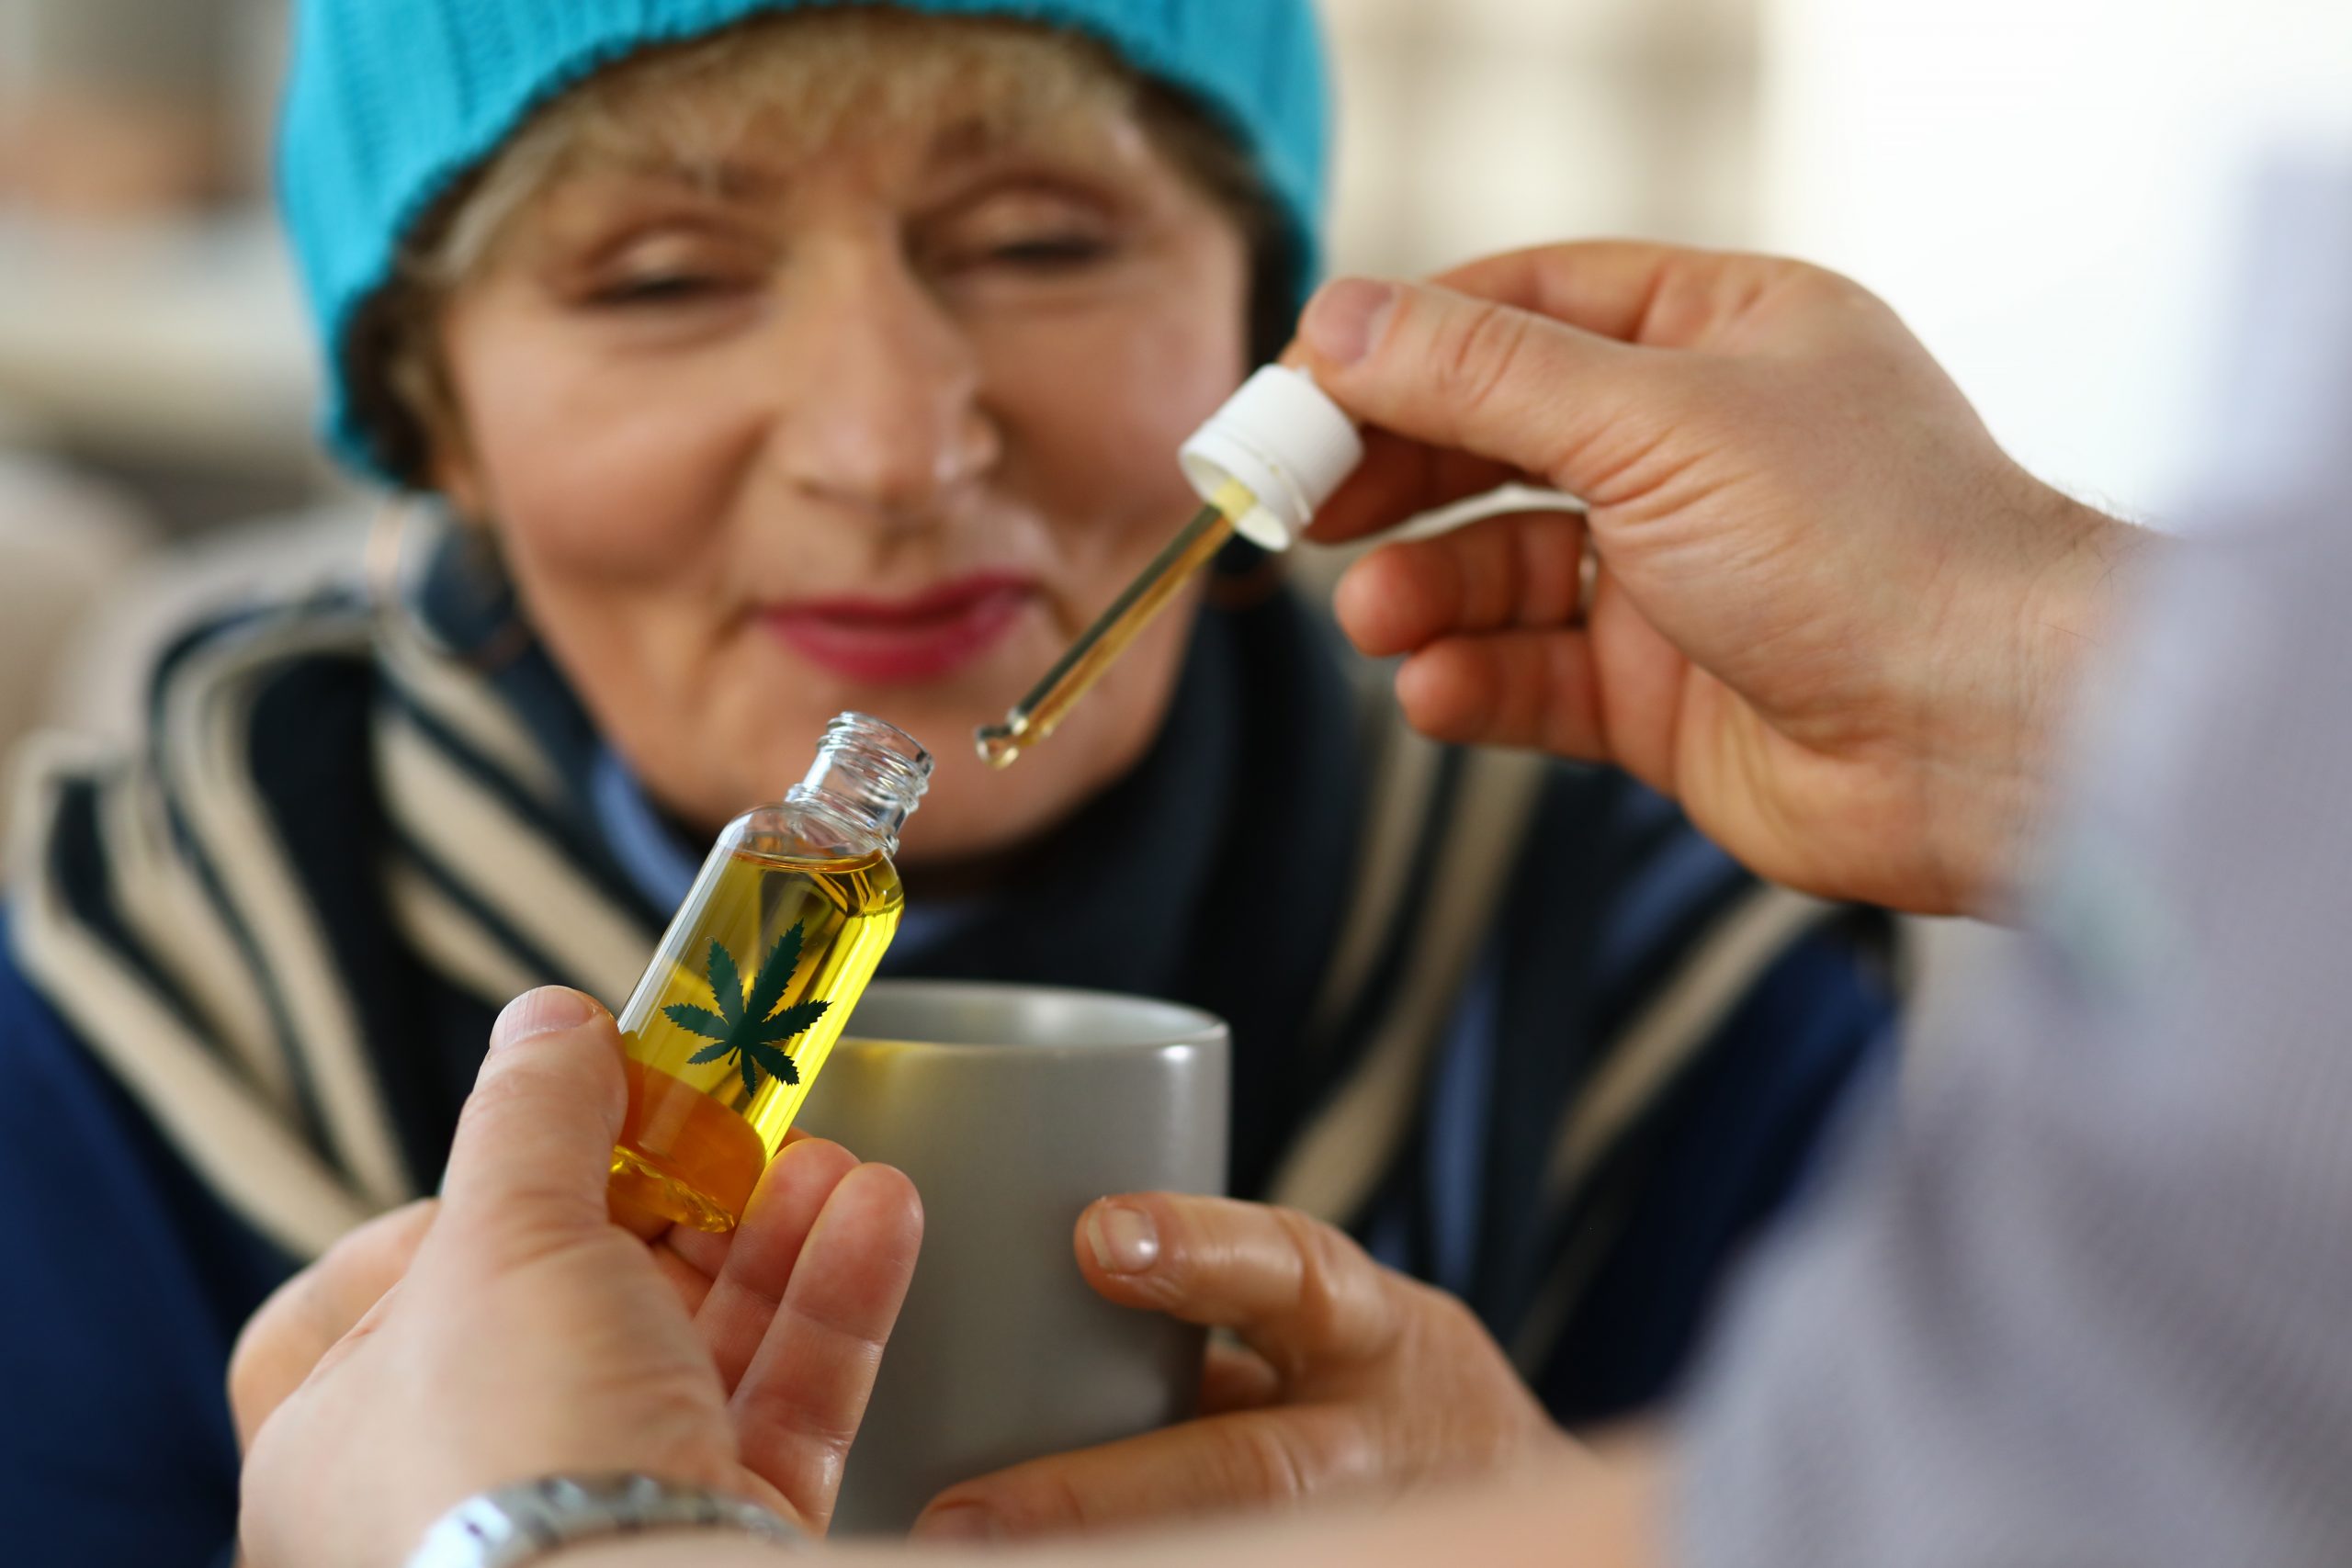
(513, 1331)
(1355, 1379)
(1830, 616)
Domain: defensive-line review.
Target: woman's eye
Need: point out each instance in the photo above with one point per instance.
(658, 289)
(1051, 252)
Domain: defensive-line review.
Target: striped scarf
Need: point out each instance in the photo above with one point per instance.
(315, 778)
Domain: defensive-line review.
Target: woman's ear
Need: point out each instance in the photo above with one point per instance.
(456, 476)
(451, 467)
(421, 379)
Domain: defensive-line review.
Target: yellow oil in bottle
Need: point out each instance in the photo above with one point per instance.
(733, 1022)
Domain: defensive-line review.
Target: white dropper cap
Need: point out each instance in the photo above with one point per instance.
(1286, 442)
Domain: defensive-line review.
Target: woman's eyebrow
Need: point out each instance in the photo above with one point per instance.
(963, 139)
(977, 138)
(727, 177)
(734, 177)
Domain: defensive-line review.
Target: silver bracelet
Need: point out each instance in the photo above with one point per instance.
(513, 1525)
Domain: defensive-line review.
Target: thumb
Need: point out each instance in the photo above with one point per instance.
(1475, 375)
(534, 1142)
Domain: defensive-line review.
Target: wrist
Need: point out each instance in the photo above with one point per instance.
(527, 1522)
(1993, 761)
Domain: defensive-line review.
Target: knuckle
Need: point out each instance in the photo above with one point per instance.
(1060, 1504)
(1444, 1329)
(1446, 1313)
(244, 1374)
(1817, 294)
(268, 1340)
(1478, 349)
(821, 1426)
(548, 1094)
(1814, 279)
(1330, 1266)
(1295, 1456)
(499, 1094)
(1267, 1463)
(1045, 1497)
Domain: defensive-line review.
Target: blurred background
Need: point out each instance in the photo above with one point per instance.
(2126, 225)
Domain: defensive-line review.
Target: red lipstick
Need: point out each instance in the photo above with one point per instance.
(924, 636)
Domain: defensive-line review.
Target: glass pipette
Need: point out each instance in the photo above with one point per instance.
(1034, 717)
(1262, 464)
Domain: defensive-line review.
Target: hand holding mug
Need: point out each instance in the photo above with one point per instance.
(1350, 1380)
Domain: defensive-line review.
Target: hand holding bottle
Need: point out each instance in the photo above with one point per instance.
(1830, 616)
(448, 1349)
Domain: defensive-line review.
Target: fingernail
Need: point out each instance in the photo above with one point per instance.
(542, 1011)
(1347, 317)
(1125, 1240)
(960, 1522)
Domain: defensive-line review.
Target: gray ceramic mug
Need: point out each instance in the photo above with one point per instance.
(1014, 1107)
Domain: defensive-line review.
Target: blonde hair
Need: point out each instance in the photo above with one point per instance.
(800, 80)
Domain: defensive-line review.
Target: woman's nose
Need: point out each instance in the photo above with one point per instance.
(886, 414)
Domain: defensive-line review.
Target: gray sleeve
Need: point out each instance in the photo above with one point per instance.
(2089, 1299)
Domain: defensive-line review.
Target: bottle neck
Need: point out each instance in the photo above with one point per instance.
(868, 774)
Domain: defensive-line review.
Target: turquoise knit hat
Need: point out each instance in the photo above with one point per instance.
(389, 102)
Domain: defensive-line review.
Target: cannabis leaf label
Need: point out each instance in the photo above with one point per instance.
(741, 1029)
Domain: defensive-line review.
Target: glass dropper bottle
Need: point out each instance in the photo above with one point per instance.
(1262, 465)
(743, 1001)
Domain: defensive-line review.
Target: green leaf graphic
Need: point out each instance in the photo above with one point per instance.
(789, 1023)
(776, 1059)
(742, 1030)
(726, 984)
(696, 1020)
(775, 975)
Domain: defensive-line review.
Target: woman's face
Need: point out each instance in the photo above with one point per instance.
(875, 430)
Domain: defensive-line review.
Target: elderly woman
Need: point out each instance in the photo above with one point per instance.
(745, 363)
